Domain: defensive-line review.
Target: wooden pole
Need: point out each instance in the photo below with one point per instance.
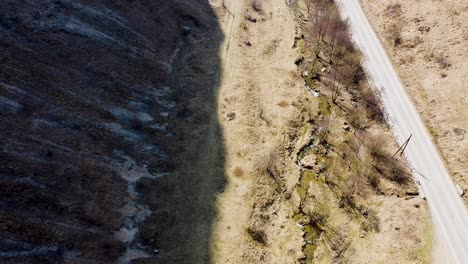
(403, 147)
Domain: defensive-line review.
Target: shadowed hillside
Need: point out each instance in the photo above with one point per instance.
(109, 143)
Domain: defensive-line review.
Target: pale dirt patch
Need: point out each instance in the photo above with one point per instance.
(432, 60)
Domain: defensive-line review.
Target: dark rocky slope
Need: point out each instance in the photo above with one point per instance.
(103, 107)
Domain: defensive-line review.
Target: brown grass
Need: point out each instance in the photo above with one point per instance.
(238, 172)
(283, 104)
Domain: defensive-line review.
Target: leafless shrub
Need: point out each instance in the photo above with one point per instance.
(339, 244)
(371, 222)
(354, 144)
(396, 172)
(459, 131)
(257, 235)
(357, 119)
(442, 61)
(373, 104)
(359, 75)
(407, 60)
(321, 22)
(417, 40)
(374, 181)
(333, 83)
(375, 147)
(385, 164)
(251, 19)
(257, 5)
(347, 202)
(320, 214)
(429, 55)
(394, 33)
(393, 10)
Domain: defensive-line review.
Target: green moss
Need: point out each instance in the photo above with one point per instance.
(306, 178)
(300, 217)
(311, 234)
(309, 82)
(301, 45)
(433, 132)
(309, 251)
(302, 192)
(324, 104)
(306, 128)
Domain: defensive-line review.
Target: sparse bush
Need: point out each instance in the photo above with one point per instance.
(359, 75)
(320, 217)
(376, 149)
(397, 173)
(459, 131)
(353, 145)
(442, 61)
(417, 40)
(393, 10)
(357, 119)
(347, 202)
(257, 5)
(238, 172)
(374, 181)
(339, 244)
(387, 166)
(257, 235)
(394, 34)
(372, 221)
(373, 105)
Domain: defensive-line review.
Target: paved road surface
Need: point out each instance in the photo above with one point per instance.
(449, 214)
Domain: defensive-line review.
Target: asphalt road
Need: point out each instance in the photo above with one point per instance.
(449, 214)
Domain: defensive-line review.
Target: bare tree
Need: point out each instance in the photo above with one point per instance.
(334, 83)
(308, 5)
(321, 21)
(337, 34)
(342, 76)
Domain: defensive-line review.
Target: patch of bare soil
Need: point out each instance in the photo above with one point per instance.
(427, 41)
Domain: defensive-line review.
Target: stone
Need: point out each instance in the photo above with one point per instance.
(424, 28)
(231, 116)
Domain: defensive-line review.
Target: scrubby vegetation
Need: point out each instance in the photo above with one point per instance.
(347, 156)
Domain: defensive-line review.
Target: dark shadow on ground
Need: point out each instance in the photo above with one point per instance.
(108, 122)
